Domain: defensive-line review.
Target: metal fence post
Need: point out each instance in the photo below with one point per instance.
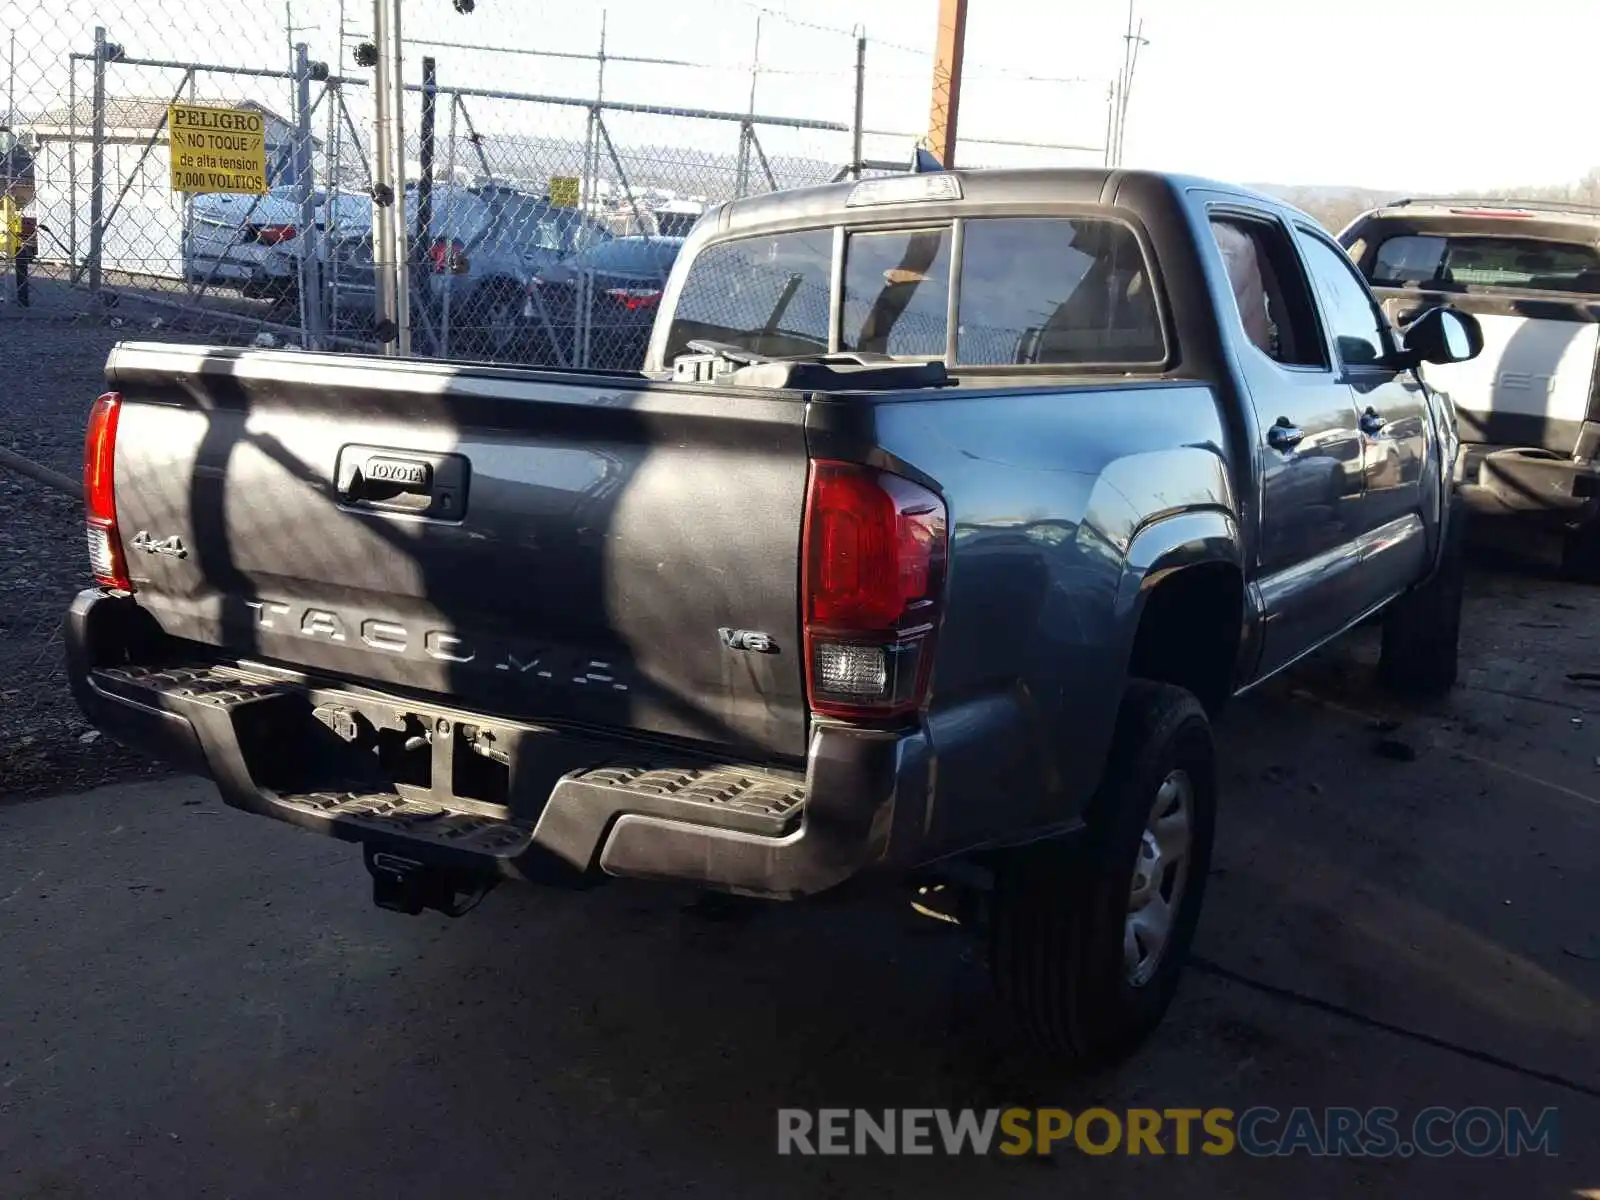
(188, 215)
(311, 328)
(97, 162)
(425, 156)
(450, 172)
(333, 160)
(388, 186)
(588, 189)
(72, 166)
(861, 104)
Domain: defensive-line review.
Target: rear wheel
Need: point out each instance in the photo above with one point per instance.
(1090, 938)
(1422, 628)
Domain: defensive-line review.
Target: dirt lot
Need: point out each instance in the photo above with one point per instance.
(51, 368)
(1402, 913)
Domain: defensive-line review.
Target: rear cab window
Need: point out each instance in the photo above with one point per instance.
(897, 293)
(1054, 290)
(1446, 262)
(1032, 291)
(769, 295)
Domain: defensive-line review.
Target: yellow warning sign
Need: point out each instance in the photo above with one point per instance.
(217, 149)
(564, 191)
(10, 227)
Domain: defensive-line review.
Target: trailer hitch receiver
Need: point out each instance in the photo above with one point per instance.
(405, 885)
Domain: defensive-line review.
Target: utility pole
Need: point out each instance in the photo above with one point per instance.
(747, 131)
(949, 51)
(1131, 41)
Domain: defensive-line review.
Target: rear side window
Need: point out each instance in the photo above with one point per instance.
(1271, 291)
(1055, 290)
(1499, 262)
(897, 292)
(768, 295)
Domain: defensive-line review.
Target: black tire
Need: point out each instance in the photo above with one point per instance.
(475, 335)
(1422, 628)
(1061, 908)
(1580, 554)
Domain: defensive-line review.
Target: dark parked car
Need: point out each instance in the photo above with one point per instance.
(623, 280)
(945, 513)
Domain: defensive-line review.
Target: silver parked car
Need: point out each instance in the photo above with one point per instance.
(253, 242)
(485, 244)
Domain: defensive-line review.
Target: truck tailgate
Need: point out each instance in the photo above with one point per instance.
(542, 546)
(1532, 384)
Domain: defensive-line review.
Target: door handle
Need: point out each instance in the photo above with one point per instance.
(1284, 436)
(1371, 422)
(418, 483)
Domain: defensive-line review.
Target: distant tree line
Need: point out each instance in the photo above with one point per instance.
(1336, 207)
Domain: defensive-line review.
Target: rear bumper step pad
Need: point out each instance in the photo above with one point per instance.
(737, 828)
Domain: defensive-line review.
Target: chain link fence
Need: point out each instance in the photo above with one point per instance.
(554, 157)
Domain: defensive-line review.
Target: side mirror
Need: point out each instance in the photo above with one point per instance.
(1443, 335)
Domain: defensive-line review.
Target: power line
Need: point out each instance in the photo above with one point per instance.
(586, 56)
(876, 42)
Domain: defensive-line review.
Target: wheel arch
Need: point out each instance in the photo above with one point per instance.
(1187, 605)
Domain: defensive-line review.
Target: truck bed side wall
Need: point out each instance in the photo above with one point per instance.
(1047, 490)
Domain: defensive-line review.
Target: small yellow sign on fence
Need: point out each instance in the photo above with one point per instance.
(217, 149)
(564, 191)
(10, 228)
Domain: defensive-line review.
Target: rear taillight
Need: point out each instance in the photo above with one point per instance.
(99, 494)
(271, 235)
(873, 590)
(449, 258)
(634, 299)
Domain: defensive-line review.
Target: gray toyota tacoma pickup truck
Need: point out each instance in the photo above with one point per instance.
(944, 513)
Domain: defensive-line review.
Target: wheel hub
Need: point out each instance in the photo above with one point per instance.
(1160, 875)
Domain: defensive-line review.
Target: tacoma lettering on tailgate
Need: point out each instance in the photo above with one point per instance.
(547, 664)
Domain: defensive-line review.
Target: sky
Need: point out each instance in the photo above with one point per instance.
(1426, 95)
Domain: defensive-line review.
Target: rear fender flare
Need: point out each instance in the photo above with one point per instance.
(1174, 543)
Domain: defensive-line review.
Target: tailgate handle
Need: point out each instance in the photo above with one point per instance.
(428, 485)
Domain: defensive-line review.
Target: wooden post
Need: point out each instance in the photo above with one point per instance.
(947, 56)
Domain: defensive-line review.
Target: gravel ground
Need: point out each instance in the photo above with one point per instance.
(199, 1002)
(58, 358)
